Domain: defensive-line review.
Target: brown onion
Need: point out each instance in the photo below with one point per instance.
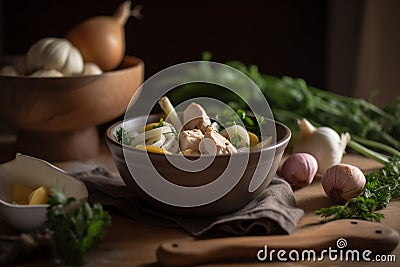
(101, 39)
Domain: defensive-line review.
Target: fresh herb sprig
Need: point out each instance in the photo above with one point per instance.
(381, 187)
(292, 99)
(250, 122)
(161, 123)
(123, 137)
(76, 226)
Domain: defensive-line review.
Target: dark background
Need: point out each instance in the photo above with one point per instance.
(284, 37)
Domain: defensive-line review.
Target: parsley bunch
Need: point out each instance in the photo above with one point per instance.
(291, 99)
(76, 226)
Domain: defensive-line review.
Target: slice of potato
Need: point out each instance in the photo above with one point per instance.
(153, 149)
(20, 194)
(39, 196)
(254, 140)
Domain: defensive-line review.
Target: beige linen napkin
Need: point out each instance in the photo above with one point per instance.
(273, 212)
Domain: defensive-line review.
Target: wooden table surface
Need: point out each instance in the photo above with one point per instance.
(132, 243)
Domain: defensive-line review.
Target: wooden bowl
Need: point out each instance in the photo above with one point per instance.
(56, 118)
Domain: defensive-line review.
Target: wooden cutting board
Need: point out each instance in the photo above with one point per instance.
(337, 235)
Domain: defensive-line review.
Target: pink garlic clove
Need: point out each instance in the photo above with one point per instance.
(299, 169)
(343, 182)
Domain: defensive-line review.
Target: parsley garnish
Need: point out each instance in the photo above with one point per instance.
(161, 123)
(382, 186)
(76, 226)
(250, 122)
(123, 137)
(236, 139)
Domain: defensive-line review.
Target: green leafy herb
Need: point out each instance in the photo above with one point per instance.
(123, 137)
(291, 99)
(76, 226)
(161, 123)
(382, 186)
(250, 122)
(236, 139)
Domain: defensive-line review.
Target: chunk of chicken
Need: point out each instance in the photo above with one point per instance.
(190, 152)
(219, 146)
(190, 139)
(195, 117)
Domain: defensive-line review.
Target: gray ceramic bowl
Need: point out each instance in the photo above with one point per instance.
(235, 199)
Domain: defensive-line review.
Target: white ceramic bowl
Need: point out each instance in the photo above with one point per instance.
(34, 173)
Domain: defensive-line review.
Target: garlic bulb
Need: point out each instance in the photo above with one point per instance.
(343, 182)
(46, 73)
(54, 53)
(299, 169)
(8, 71)
(90, 68)
(323, 143)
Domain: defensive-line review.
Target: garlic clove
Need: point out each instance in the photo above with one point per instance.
(90, 68)
(46, 73)
(54, 53)
(73, 62)
(299, 169)
(8, 70)
(343, 182)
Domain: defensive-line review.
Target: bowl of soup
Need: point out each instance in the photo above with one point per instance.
(190, 165)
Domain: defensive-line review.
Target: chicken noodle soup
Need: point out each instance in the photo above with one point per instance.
(197, 134)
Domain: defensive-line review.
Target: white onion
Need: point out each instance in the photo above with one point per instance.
(156, 141)
(324, 143)
(140, 138)
(233, 130)
(169, 142)
(175, 147)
